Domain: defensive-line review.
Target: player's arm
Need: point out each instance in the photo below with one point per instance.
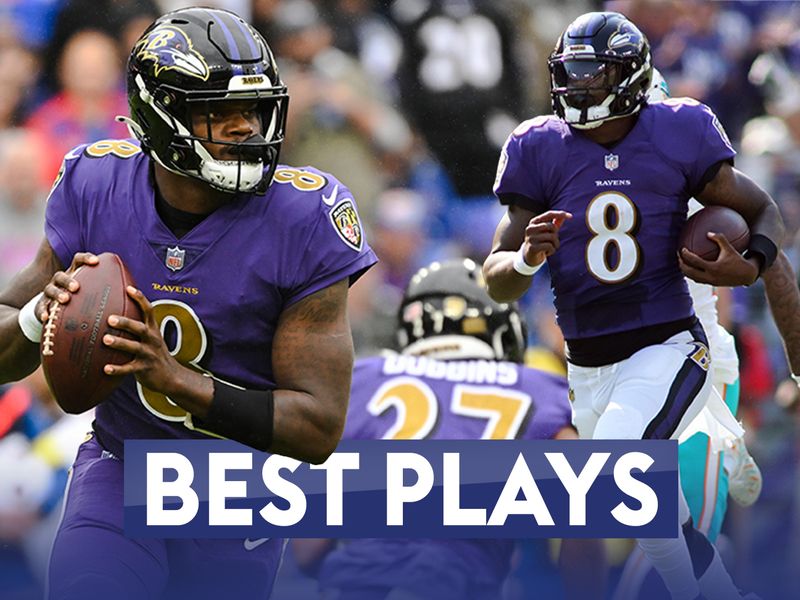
(312, 361)
(734, 189)
(522, 239)
(19, 356)
(780, 284)
(312, 358)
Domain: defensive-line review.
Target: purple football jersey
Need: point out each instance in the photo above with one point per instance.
(616, 268)
(407, 397)
(219, 290)
(410, 397)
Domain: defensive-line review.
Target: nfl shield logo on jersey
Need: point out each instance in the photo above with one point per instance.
(175, 258)
(612, 161)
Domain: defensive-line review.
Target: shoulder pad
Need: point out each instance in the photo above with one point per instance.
(541, 122)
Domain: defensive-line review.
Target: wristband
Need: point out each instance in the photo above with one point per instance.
(246, 416)
(29, 323)
(763, 250)
(522, 267)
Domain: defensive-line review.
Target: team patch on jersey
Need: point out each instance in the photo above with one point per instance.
(345, 221)
(171, 49)
(175, 258)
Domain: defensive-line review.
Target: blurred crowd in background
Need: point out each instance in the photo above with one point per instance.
(408, 102)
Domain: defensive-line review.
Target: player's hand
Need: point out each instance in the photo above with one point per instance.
(787, 394)
(730, 269)
(61, 286)
(541, 236)
(152, 363)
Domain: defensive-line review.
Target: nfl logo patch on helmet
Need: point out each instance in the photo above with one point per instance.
(345, 220)
(175, 257)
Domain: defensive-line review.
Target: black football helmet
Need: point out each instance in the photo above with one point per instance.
(191, 60)
(447, 314)
(600, 70)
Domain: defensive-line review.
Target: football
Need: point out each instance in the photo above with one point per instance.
(717, 219)
(72, 349)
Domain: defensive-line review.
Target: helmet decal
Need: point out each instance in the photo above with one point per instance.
(626, 35)
(170, 48)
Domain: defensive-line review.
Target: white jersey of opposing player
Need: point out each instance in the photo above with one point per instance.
(724, 360)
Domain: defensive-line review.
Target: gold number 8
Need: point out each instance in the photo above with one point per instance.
(120, 148)
(190, 346)
(305, 181)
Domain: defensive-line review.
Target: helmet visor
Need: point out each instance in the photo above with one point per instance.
(584, 82)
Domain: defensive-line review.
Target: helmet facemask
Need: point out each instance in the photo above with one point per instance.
(588, 90)
(600, 70)
(246, 165)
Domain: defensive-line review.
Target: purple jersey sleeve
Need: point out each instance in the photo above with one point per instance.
(335, 247)
(524, 174)
(693, 137)
(64, 214)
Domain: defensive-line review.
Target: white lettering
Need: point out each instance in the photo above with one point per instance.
(334, 469)
(635, 489)
(520, 480)
(577, 487)
(158, 489)
(394, 364)
(452, 513)
(507, 374)
(458, 371)
(397, 493)
(611, 182)
(270, 474)
(219, 488)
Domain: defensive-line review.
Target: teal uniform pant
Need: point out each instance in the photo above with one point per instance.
(704, 481)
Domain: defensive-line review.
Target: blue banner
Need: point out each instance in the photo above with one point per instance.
(432, 489)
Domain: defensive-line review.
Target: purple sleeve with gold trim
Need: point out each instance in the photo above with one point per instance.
(64, 214)
(334, 247)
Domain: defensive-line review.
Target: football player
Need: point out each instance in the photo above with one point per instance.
(458, 376)
(707, 475)
(243, 267)
(638, 357)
